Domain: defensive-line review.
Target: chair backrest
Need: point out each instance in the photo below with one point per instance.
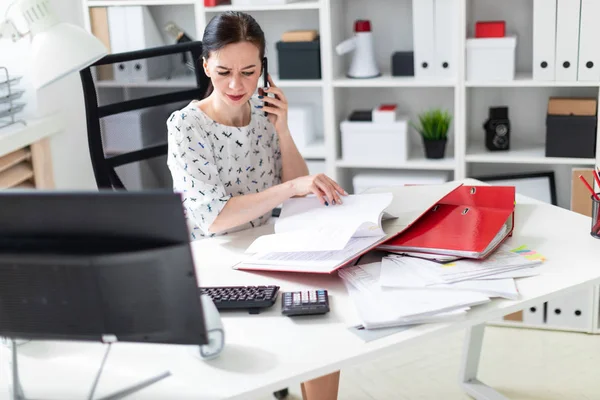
(132, 131)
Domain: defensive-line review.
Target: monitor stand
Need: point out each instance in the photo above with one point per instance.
(17, 389)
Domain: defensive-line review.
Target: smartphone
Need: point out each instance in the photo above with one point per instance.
(265, 76)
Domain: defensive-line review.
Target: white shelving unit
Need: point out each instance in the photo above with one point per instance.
(335, 96)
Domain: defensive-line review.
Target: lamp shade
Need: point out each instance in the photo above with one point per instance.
(60, 50)
(57, 48)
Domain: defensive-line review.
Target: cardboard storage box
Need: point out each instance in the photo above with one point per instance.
(491, 59)
(370, 142)
(581, 199)
(571, 128)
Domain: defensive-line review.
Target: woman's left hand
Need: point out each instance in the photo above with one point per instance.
(276, 107)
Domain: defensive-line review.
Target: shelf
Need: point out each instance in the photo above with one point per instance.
(190, 82)
(300, 5)
(14, 158)
(176, 82)
(414, 162)
(520, 153)
(16, 175)
(108, 3)
(386, 80)
(526, 80)
(314, 151)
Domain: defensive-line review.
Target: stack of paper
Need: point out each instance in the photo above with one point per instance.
(504, 262)
(403, 290)
(380, 307)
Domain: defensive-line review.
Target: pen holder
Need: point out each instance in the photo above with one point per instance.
(595, 217)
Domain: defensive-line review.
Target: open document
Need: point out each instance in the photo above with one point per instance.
(306, 225)
(311, 237)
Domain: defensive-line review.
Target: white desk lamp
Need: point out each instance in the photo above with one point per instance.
(58, 48)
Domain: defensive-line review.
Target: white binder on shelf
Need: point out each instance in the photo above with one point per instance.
(445, 43)
(133, 28)
(534, 315)
(567, 37)
(119, 42)
(144, 34)
(544, 40)
(423, 38)
(573, 311)
(589, 32)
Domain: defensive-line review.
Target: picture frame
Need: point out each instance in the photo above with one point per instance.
(538, 185)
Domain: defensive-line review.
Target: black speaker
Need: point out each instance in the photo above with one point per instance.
(497, 129)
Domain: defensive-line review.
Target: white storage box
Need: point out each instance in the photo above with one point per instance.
(369, 141)
(491, 59)
(367, 180)
(134, 130)
(302, 125)
(316, 167)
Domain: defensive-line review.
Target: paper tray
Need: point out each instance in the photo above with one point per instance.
(13, 110)
(5, 98)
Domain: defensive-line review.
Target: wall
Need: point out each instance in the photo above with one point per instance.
(72, 166)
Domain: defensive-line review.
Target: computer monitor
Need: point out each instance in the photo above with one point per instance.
(98, 266)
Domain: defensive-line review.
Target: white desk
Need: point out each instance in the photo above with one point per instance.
(268, 352)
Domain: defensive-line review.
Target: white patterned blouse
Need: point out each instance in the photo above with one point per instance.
(211, 162)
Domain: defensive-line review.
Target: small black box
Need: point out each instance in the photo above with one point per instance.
(571, 136)
(299, 60)
(361, 115)
(403, 63)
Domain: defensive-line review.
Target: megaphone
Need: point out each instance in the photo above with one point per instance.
(363, 63)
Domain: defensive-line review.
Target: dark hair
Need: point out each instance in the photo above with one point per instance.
(232, 27)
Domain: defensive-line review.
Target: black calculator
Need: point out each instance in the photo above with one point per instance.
(309, 302)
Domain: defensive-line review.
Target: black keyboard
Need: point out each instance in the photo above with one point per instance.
(251, 298)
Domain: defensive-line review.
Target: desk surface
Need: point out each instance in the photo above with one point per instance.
(267, 352)
(16, 136)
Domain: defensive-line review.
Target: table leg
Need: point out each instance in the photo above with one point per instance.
(323, 388)
(470, 366)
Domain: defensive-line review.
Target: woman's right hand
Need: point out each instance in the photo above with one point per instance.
(325, 188)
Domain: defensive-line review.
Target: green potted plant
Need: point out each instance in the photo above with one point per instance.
(434, 126)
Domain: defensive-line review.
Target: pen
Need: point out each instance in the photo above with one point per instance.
(589, 187)
(596, 178)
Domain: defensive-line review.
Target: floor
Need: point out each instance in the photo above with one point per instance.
(523, 364)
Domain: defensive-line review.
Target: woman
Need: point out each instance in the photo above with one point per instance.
(232, 163)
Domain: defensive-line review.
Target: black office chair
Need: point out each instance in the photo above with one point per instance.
(123, 133)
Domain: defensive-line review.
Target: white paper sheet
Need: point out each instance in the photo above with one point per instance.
(408, 272)
(492, 287)
(515, 273)
(314, 259)
(321, 239)
(308, 213)
(376, 316)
